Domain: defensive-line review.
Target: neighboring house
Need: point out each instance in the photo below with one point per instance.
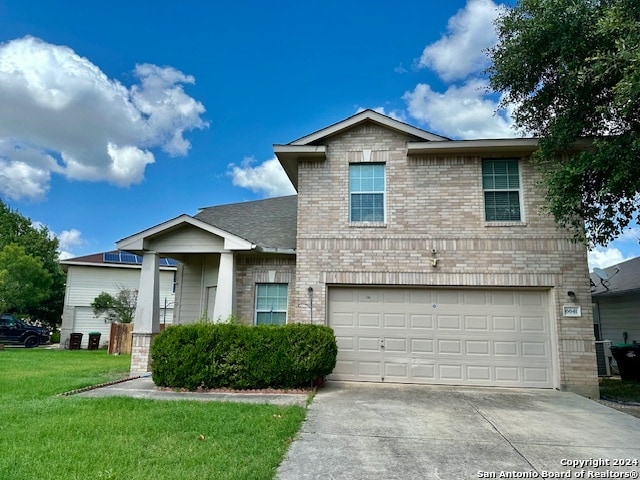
(616, 302)
(430, 258)
(109, 272)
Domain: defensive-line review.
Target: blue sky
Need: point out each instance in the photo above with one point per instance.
(116, 116)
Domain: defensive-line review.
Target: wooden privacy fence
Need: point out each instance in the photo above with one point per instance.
(121, 338)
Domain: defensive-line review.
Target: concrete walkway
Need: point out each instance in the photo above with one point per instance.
(144, 387)
(382, 431)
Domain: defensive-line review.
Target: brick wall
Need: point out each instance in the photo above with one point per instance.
(258, 268)
(436, 203)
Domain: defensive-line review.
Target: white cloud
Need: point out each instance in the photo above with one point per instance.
(467, 108)
(61, 114)
(70, 238)
(460, 52)
(605, 257)
(462, 112)
(267, 178)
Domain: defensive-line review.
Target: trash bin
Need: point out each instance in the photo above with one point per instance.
(75, 341)
(628, 359)
(94, 341)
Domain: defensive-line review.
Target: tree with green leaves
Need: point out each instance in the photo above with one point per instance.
(571, 69)
(24, 282)
(39, 244)
(119, 308)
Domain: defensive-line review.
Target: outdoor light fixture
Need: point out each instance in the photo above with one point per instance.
(434, 260)
(572, 295)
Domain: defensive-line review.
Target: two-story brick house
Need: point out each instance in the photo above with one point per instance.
(430, 258)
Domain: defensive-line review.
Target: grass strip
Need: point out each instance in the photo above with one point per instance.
(47, 436)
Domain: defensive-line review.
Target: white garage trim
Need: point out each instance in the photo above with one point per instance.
(499, 337)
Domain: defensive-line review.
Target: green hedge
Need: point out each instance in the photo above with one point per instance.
(243, 357)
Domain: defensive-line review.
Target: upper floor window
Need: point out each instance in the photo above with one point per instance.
(501, 185)
(366, 192)
(271, 303)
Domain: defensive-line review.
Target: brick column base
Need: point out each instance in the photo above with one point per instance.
(141, 353)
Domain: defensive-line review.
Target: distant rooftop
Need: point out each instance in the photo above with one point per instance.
(621, 278)
(116, 257)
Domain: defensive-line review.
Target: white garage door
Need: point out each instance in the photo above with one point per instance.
(434, 336)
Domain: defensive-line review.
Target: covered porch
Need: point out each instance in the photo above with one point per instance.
(205, 279)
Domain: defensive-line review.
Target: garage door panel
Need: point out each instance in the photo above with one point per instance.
(368, 320)
(399, 370)
(394, 296)
(447, 346)
(477, 347)
(457, 337)
(510, 375)
(538, 299)
(421, 321)
(395, 320)
(345, 343)
(448, 372)
(534, 349)
(504, 324)
(392, 345)
(476, 323)
(505, 348)
(368, 296)
(369, 344)
(535, 375)
(474, 298)
(340, 319)
(421, 297)
(370, 369)
(502, 298)
(447, 297)
(421, 345)
(423, 372)
(532, 324)
(448, 322)
(479, 373)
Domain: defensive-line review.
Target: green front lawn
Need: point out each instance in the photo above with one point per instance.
(622, 391)
(45, 436)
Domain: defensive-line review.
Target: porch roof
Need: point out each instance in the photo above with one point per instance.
(270, 224)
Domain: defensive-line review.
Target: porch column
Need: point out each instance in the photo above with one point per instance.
(224, 290)
(147, 319)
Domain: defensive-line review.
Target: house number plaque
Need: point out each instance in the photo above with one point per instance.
(571, 311)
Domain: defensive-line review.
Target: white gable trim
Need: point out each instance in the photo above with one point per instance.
(374, 117)
(136, 243)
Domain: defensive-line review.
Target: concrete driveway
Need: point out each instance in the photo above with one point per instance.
(382, 431)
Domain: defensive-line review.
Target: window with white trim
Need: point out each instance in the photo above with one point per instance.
(366, 192)
(271, 303)
(501, 186)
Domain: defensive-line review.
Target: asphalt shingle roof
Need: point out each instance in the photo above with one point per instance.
(269, 223)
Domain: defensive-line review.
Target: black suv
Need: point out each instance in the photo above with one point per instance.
(13, 330)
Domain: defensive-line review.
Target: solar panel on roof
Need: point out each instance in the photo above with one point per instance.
(122, 257)
(133, 259)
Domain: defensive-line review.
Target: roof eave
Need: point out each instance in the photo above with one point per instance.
(480, 147)
(290, 155)
(282, 251)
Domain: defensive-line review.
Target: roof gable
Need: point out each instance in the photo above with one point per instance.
(184, 228)
(311, 147)
(368, 116)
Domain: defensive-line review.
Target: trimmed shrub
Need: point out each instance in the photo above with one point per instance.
(227, 355)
